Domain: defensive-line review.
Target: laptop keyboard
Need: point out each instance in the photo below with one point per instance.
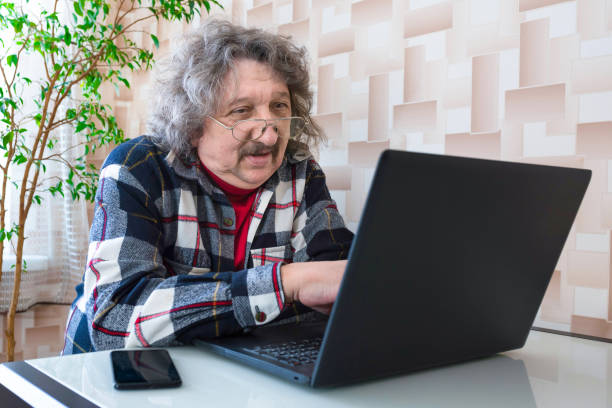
(294, 353)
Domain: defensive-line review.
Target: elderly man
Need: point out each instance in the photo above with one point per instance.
(220, 220)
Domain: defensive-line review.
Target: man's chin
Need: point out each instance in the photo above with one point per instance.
(256, 176)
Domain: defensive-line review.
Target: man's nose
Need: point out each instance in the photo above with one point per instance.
(269, 134)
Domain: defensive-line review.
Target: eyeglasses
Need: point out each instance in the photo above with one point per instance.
(253, 129)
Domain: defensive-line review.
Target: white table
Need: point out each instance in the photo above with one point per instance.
(550, 371)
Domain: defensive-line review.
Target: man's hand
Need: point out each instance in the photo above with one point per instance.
(314, 284)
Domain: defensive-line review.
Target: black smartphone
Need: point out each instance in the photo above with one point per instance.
(137, 369)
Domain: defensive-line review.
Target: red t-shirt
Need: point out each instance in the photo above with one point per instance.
(242, 200)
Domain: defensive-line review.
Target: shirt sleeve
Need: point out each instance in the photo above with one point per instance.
(135, 299)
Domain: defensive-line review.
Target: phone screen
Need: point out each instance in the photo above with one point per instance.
(144, 369)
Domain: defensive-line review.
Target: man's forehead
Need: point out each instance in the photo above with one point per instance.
(238, 73)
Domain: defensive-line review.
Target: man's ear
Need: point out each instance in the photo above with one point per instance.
(201, 133)
(195, 140)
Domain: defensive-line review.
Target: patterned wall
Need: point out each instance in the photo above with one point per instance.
(519, 80)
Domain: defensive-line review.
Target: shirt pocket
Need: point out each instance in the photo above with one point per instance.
(265, 256)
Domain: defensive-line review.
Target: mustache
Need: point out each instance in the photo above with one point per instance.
(257, 148)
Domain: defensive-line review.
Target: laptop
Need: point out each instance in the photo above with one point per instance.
(450, 262)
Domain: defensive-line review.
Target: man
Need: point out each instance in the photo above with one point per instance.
(221, 220)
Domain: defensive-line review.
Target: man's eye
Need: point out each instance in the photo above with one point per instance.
(281, 106)
(239, 111)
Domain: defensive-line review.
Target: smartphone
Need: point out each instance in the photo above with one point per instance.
(147, 368)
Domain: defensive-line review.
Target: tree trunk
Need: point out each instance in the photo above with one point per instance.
(10, 316)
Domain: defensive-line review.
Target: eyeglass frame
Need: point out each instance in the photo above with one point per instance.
(238, 122)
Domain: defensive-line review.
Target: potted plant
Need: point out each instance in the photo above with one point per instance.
(80, 45)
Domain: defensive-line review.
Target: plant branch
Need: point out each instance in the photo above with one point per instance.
(60, 123)
(17, 63)
(53, 35)
(61, 154)
(46, 68)
(131, 9)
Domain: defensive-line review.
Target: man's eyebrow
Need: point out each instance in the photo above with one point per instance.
(237, 101)
(281, 94)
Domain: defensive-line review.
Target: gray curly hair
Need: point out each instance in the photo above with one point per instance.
(188, 83)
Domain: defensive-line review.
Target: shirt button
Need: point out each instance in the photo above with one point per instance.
(228, 222)
(260, 317)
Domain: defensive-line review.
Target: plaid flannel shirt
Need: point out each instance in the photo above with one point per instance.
(160, 261)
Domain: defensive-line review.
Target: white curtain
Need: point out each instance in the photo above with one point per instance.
(55, 247)
(56, 231)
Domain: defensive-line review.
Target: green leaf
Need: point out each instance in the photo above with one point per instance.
(125, 81)
(20, 158)
(17, 25)
(155, 40)
(12, 60)
(67, 36)
(217, 3)
(7, 139)
(77, 9)
(80, 126)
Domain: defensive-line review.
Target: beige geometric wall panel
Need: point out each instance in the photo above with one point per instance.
(299, 31)
(536, 103)
(378, 107)
(591, 18)
(592, 75)
(365, 154)
(485, 83)
(591, 326)
(417, 116)
(525, 5)
(325, 96)
(610, 285)
(260, 16)
(338, 177)
(588, 269)
(414, 72)
(606, 216)
(481, 145)
(337, 42)
(534, 53)
(331, 123)
(519, 80)
(428, 19)
(593, 139)
(371, 11)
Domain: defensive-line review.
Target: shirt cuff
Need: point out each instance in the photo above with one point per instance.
(257, 295)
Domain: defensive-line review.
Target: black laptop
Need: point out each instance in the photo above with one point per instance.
(450, 262)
